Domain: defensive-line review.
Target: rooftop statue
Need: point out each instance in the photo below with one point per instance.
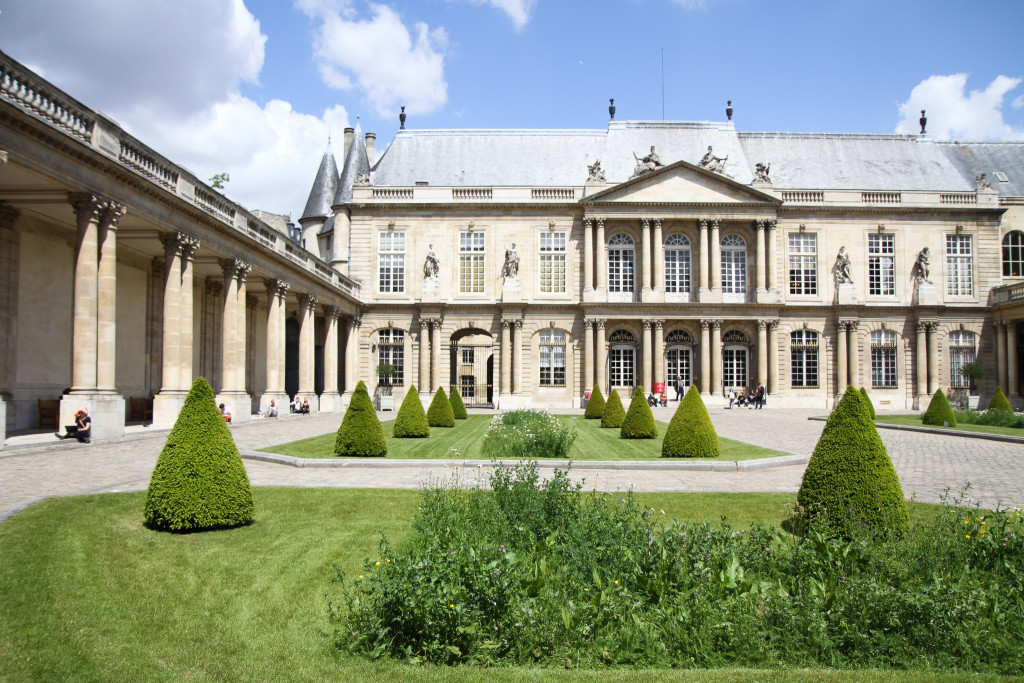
(431, 267)
(983, 183)
(841, 268)
(713, 163)
(647, 164)
(761, 173)
(362, 179)
(595, 174)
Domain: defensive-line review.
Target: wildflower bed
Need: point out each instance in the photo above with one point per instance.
(537, 572)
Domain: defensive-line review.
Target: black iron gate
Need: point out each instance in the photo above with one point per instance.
(472, 372)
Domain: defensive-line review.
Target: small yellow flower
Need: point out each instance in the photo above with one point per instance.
(360, 576)
(378, 564)
(968, 535)
(586, 590)
(451, 606)
(388, 561)
(983, 523)
(616, 582)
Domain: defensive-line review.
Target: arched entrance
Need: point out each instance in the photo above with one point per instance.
(472, 367)
(679, 358)
(622, 362)
(735, 360)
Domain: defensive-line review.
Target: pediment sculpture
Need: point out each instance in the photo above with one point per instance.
(648, 163)
(713, 163)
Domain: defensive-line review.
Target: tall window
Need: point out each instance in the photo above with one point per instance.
(471, 262)
(677, 264)
(961, 352)
(803, 354)
(881, 276)
(622, 358)
(552, 262)
(391, 261)
(734, 265)
(883, 359)
(552, 358)
(1013, 254)
(735, 346)
(803, 263)
(391, 350)
(678, 357)
(959, 265)
(621, 263)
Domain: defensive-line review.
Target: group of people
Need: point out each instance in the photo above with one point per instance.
(656, 401)
(752, 398)
(300, 405)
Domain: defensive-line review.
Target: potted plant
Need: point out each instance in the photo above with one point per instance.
(385, 375)
(973, 372)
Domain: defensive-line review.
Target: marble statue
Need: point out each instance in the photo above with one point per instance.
(841, 268)
(920, 270)
(595, 173)
(983, 183)
(431, 267)
(761, 173)
(648, 163)
(362, 179)
(713, 163)
(511, 267)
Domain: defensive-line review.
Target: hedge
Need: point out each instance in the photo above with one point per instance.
(199, 481)
(411, 421)
(458, 407)
(999, 401)
(360, 433)
(639, 422)
(690, 433)
(440, 412)
(595, 406)
(939, 412)
(867, 402)
(614, 414)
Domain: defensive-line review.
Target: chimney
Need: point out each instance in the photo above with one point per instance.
(371, 147)
(349, 132)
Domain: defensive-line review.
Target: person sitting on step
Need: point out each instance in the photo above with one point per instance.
(81, 430)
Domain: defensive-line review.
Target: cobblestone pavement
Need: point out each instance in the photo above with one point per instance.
(927, 463)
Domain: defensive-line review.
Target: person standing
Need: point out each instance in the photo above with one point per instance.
(679, 387)
(760, 396)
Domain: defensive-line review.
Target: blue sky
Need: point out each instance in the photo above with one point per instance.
(253, 88)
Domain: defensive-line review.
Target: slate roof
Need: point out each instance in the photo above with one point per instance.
(975, 158)
(324, 187)
(356, 162)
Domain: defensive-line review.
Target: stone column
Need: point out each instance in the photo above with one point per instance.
(276, 291)
(1001, 347)
(517, 356)
(933, 357)
(645, 247)
(648, 355)
(229, 324)
(352, 353)
(705, 357)
(176, 353)
(921, 348)
(424, 342)
(659, 257)
(106, 313)
(1013, 381)
(506, 355)
(435, 354)
(716, 257)
(773, 356)
(602, 257)
(842, 378)
(704, 259)
(10, 248)
(186, 355)
(773, 265)
(307, 347)
(88, 210)
(851, 347)
(242, 336)
(762, 264)
(716, 356)
(170, 377)
(588, 254)
(588, 355)
(330, 400)
(762, 350)
(602, 354)
(659, 353)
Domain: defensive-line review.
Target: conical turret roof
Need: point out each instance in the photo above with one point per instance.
(356, 162)
(324, 187)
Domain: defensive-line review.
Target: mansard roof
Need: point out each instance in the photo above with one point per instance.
(990, 158)
(682, 180)
(325, 186)
(356, 162)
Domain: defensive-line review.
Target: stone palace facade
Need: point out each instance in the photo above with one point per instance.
(522, 266)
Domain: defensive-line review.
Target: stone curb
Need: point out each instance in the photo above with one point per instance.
(1005, 438)
(695, 466)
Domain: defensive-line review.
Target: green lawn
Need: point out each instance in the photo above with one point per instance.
(915, 421)
(465, 439)
(89, 594)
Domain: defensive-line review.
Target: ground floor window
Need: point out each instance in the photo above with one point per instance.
(622, 366)
(961, 352)
(552, 358)
(803, 367)
(678, 362)
(734, 367)
(391, 351)
(883, 359)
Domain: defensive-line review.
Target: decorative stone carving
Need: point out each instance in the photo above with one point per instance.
(841, 268)
(761, 173)
(919, 272)
(595, 174)
(982, 182)
(431, 266)
(362, 179)
(511, 268)
(713, 163)
(111, 214)
(648, 163)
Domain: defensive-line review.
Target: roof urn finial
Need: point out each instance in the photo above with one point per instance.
(923, 121)
(728, 110)
(401, 118)
(611, 108)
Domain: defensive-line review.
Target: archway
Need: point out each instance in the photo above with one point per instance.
(472, 366)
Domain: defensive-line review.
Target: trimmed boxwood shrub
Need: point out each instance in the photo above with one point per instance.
(999, 401)
(440, 412)
(458, 407)
(411, 421)
(690, 434)
(639, 422)
(850, 479)
(939, 411)
(199, 481)
(867, 402)
(614, 414)
(360, 433)
(595, 406)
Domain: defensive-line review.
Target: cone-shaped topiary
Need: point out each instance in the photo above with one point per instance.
(850, 478)
(458, 407)
(360, 433)
(690, 434)
(440, 412)
(939, 412)
(999, 402)
(199, 481)
(867, 402)
(639, 422)
(411, 421)
(614, 414)
(595, 406)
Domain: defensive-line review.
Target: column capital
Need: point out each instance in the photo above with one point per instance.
(600, 223)
(705, 324)
(235, 268)
(599, 323)
(111, 213)
(506, 324)
(179, 243)
(760, 223)
(645, 223)
(656, 222)
(921, 326)
(773, 324)
(716, 324)
(588, 222)
(252, 301)
(762, 325)
(853, 325)
(517, 323)
(276, 288)
(659, 324)
(647, 323)
(87, 206)
(772, 223)
(332, 312)
(307, 302)
(355, 320)
(8, 214)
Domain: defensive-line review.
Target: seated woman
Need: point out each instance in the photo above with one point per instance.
(271, 410)
(663, 401)
(225, 412)
(81, 430)
(651, 401)
(305, 407)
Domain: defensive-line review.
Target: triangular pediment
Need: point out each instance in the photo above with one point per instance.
(681, 183)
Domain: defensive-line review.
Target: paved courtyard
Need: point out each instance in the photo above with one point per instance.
(38, 466)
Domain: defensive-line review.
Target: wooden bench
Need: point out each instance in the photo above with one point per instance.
(140, 409)
(49, 412)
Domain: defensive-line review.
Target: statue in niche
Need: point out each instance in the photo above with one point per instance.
(595, 174)
(431, 267)
(982, 182)
(511, 268)
(648, 163)
(841, 268)
(919, 272)
(362, 179)
(713, 163)
(761, 173)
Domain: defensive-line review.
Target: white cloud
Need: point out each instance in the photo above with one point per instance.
(518, 11)
(955, 114)
(380, 56)
(1018, 102)
(169, 72)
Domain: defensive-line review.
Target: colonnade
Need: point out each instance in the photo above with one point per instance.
(1007, 368)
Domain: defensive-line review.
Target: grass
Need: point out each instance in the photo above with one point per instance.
(464, 441)
(89, 594)
(915, 421)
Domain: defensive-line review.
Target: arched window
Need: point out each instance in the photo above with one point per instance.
(803, 354)
(883, 359)
(961, 352)
(1013, 254)
(735, 347)
(552, 358)
(621, 252)
(677, 264)
(391, 351)
(734, 267)
(678, 358)
(621, 358)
